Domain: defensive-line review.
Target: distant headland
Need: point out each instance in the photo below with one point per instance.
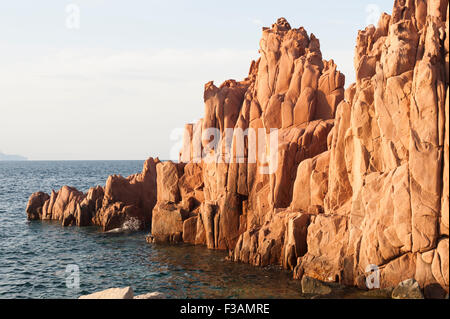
(7, 157)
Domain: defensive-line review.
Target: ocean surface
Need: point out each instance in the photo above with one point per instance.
(38, 259)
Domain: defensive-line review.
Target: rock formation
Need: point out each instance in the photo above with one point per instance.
(121, 200)
(387, 199)
(288, 168)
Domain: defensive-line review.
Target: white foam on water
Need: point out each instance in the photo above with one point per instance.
(130, 225)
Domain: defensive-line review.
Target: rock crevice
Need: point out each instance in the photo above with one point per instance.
(358, 178)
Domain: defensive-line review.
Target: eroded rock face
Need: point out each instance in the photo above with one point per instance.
(91, 204)
(167, 182)
(180, 192)
(112, 293)
(388, 169)
(311, 184)
(35, 204)
(64, 207)
(290, 89)
(122, 200)
(167, 225)
(357, 178)
(281, 240)
(408, 289)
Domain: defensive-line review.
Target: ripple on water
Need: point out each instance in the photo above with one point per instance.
(34, 255)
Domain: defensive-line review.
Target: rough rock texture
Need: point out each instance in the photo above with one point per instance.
(122, 200)
(311, 184)
(246, 208)
(112, 293)
(315, 287)
(35, 205)
(281, 240)
(408, 289)
(287, 168)
(129, 198)
(122, 293)
(167, 223)
(387, 200)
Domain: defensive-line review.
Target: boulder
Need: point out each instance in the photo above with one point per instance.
(408, 289)
(167, 225)
(116, 215)
(112, 293)
(312, 286)
(122, 200)
(167, 182)
(35, 204)
(65, 205)
(151, 295)
(87, 209)
(136, 192)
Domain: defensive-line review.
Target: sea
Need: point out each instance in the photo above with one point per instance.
(42, 259)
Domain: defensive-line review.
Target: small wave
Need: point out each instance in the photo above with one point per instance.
(130, 225)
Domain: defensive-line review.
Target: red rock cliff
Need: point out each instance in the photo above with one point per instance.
(367, 188)
(357, 178)
(290, 88)
(387, 199)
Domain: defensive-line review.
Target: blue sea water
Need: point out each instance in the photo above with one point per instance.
(34, 255)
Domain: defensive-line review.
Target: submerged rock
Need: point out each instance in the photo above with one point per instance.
(384, 293)
(312, 286)
(408, 289)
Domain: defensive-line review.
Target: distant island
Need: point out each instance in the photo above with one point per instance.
(7, 157)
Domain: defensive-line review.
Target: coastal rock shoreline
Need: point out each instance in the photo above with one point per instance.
(349, 194)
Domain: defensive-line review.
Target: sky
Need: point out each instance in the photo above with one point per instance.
(117, 80)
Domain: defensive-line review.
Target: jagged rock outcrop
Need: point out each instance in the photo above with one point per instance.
(290, 89)
(279, 241)
(288, 168)
(227, 188)
(364, 187)
(408, 289)
(129, 198)
(112, 293)
(35, 205)
(91, 204)
(388, 177)
(180, 192)
(121, 200)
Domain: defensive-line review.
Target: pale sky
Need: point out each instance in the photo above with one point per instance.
(122, 83)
